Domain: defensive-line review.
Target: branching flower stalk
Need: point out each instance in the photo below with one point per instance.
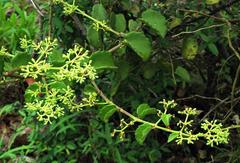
(214, 131)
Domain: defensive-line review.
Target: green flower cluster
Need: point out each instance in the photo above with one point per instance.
(52, 94)
(76, 69)
(214, 132)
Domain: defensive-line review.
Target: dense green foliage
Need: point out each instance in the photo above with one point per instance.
(120, 81)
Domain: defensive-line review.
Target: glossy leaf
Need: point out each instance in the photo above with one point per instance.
(166, 119)
(141, 132)
(144, 110)
(106, 112)
(172, 136)
(156, 21)
(139, 43)
(102, 60)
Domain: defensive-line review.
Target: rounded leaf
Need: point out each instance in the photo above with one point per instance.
(106, 112)
(156, 21)
(94, 37)
(141, 132)
(144, 110)
(119, 23)
(139, 43)
(183, 74)
(102, 60)
(99, 12)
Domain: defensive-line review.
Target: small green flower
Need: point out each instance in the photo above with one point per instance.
(168, 104)
(215, 134)
(189, 111)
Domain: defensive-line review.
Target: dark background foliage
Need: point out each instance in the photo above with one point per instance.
(208, 82)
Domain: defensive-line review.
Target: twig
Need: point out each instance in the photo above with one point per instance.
(50, 14)
(233, 93)
(200, 29)
(136, 119)
(199, 96)
(115, 47)
(212, 12)
(37, 8)
(172, 69)
(214, 108)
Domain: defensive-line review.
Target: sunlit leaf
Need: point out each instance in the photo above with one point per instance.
(106, 112)
(141, 132)
(139, 43)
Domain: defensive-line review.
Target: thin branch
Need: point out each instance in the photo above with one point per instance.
(212, 12)
(199, 96)
(136, 119)
(200, 29)
(37, 8)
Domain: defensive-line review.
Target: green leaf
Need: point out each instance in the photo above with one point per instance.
(212, 2)
(99, 12)
(142, 132)
(6, 109)
(139, 43)
(20, 59)
(88, 89)
(174, 22)
(133, 25)
(189, 48)
(114, 88)
(58, 85)
(28, 96)
(94, 37)
(172, 136)
(123, 69)
(149, 70)
(56, 58)
(121, 74)
(183, 74)
(71, 145)
(144, 110)
(212, 47)
(106, 112)
(68, 28)
(154, 155)
(166, 119)
(119, 23)
(156, 21)
(102, 60)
